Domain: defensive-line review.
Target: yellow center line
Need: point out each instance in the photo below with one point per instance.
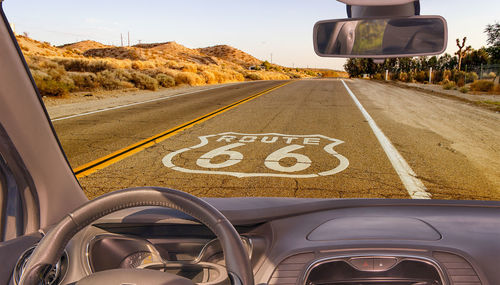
(105, 161)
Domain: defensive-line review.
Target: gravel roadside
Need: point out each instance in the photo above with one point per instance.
(488, 101)
(472, 131)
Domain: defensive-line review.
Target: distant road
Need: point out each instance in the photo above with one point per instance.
(308, 138)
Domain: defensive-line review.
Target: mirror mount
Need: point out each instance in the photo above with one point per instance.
(381, 8)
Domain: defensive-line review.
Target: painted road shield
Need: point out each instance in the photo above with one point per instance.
(253, 155)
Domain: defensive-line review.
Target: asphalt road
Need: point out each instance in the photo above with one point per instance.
(306, 138)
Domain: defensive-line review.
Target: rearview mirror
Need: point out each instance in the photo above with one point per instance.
(381, 37)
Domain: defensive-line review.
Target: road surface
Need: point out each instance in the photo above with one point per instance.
(308, 138)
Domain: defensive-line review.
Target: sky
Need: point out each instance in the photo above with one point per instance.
(264, 28)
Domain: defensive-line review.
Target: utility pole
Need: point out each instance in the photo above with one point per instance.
(271, 57)
(121, 39)
(128, 35)
(430, 76)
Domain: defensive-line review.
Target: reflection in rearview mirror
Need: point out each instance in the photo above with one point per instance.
(381, 37)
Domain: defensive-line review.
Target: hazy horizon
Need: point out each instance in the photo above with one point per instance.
(260, 28)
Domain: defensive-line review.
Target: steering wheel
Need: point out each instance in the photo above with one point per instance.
(52, 245)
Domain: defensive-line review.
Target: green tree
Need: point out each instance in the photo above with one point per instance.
(433, 62)
(476, 57)
(359, 66)
(493, 33)
(446, 61)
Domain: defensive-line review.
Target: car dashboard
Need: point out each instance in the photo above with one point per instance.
(302, 242)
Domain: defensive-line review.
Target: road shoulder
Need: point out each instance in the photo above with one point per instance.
(80, 103)
(451, 145)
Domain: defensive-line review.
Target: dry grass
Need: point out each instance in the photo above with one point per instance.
(89, 65)
(266, 75)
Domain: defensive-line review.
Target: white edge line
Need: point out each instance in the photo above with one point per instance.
(414, 186)
(143, 102)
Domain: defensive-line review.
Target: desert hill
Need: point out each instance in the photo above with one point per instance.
(83, 46)
(92, 66)
(231, 54)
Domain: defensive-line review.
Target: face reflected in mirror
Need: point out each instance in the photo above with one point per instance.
(381, 37)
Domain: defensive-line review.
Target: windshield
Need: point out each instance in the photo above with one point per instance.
(229, 99)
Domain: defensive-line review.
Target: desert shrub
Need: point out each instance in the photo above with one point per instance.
(403, 76)
(209, 77)
(447, 75)
(293, 75)
(172, 64)
(84, 80)
(165, 80)
(188, 67)
(189, 78)
(378, 76)
(464, 89)
(253, 76)
(268, 75)
(497, 88)
(32, 62)
(84, 65)
(327, 73)
(437, 76)
(458, 76)
(266, 65)
(421, 76)
(44, 63)
(448, 85)
(461, 82)
(142, 65)
(118, 63)
(170, 72)
(229, 75)
(411, 76)
(471, 77)
(39, 75)
(220, 76)
(111, 80)
(491, 75)
(57, 73)
(311, 73)
(482, 86)
(49, 86)
(144, 81)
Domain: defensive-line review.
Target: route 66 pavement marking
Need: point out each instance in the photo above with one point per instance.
(289, 147)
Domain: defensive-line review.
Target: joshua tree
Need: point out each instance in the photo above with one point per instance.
(461, 51)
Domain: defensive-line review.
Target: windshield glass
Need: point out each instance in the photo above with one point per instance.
(229, 99)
